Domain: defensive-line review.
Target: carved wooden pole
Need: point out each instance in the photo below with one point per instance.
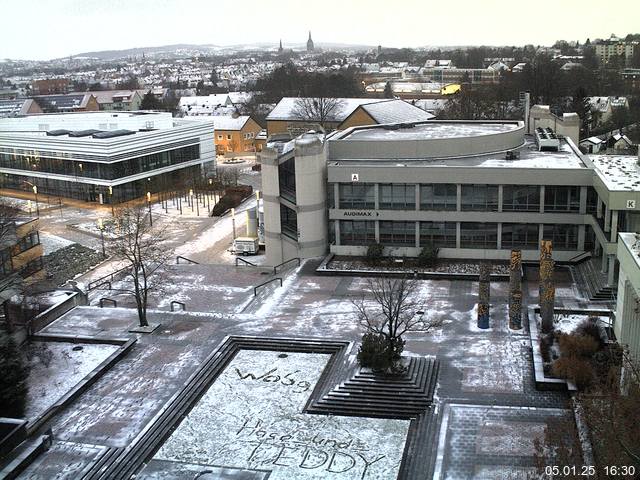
(547, 288)
(515, 290)
(483, 295)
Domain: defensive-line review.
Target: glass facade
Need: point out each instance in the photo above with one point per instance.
(523, 236)
(354, 232)
(398, 234)
(483, 198)
(438, 234)
(562, 199)
(357, 196)
(478, 235)
(397, 196)
(520, 198)
(289, 222)
(287, 179)
(102, 171)
(438, 196)
(563, 237)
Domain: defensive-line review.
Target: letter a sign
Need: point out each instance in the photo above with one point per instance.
(355, 177)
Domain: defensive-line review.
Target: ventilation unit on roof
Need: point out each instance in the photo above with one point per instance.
(407, 125)
(113, 133)
(392, 126)
(547, 140)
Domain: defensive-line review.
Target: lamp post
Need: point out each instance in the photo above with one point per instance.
(101, 228)
(191, 198)
(149, 205)
(113, 213)
(35, 192)
(233, 222)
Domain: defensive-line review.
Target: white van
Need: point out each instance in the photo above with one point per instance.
(246, 245)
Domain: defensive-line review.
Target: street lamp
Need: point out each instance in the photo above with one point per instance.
(233, 222)
(35, 192)
(191, 198)
(113, 214)
(101, 228)
(149, 205)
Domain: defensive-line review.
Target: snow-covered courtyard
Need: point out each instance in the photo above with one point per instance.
(252, 417)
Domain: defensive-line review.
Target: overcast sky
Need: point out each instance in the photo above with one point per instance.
(44, 29)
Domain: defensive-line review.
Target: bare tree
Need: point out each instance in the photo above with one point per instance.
(317, 109)
(141, 246)
(396, 308)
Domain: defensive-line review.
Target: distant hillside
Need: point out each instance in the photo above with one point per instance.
(115, 54)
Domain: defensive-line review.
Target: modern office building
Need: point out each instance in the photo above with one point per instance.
(474, 189)
(103, 157)
(627, 322)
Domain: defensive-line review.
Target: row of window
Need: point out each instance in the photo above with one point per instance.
(443, 234)
(105, 171)
(402, 196)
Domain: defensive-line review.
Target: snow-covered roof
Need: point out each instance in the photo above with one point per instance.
(394, 111)
(618, 172)
(286, 108)
(593, 140)
(229, 122)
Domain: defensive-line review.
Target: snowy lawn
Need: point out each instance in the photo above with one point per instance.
(251, 417)
(56, 367)
(52, 243)
(442, 266)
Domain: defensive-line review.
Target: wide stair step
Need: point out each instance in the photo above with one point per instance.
(592, 281)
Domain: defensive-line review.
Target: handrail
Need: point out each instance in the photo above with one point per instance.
(106, 282)
(175, 302)
(105, 299)
(193, 262)
(285, 262)
(245, 261)
(255, 289)
(575, 259)
(110, 276)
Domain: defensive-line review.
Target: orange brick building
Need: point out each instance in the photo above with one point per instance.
(235, 134)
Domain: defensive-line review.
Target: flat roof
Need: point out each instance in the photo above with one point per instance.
(618, 172)
(430, 130)
(528, 157)
(632, 242)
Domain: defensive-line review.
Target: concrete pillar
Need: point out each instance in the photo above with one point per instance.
(541, 198)
(458, 197)
(336, 224)
(499, 236)
(336, 195)
(583, 200)
(417, 234)
(484, 290)
(607, 219)
(376, 195)
(417, 196)
(457, 234)
(614, 225)
(377, 231)
(500, 198)
(581, 237)
(599, 208)
(611, 271)
(604, 261)
(271, 205)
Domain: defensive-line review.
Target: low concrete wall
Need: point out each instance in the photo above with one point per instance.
(56, 311)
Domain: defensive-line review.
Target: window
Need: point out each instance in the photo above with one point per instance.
(398, 234)
(399, 196)
(520, 198)
(438, 234)
(438, 196)
(561, 199)
(220, 137)
(228, 136)
(27, 242)
(480, 198)
(478, 235)
(287, 179)
(519, 236)
(353, 232)
(289, 222)
(562, 236)
(357, 196)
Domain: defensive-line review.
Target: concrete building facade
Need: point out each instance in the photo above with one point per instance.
(627, 320)
(474, 189)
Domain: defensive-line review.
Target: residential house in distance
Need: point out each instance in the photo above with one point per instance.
(614, 47)
(23, 106)
(593, 145)
(214, 104)
(631, 77)
(118, 100)
(286, 117)
(602, 107)
(50, 86)
(73, 102)
(235, 134)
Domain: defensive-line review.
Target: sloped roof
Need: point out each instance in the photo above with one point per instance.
(395, 111)
(285, 109)
(229, 123)
(106, 96)
(64, 102)
(10, 108)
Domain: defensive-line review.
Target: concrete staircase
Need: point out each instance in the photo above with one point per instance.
(592, 281)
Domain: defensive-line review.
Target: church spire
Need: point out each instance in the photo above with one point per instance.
(280, 47)
(309, 43)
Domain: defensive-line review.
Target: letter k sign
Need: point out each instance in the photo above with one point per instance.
(355, 177)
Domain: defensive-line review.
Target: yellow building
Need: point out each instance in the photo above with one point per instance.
(287, 118)
(235, 134)
(21, 251)
(450, 89)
